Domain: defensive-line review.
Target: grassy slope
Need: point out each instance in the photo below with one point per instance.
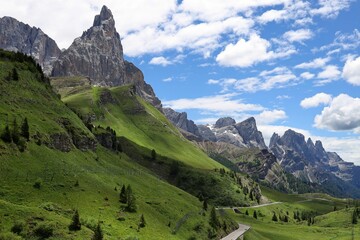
(98, 173)
(328, 224)
(147, 127)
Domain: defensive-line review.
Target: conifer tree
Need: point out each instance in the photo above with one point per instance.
(274, 218)
(75, 224)
(214, 221)
(15, 132)
(354, 217)
(25, 129)
(98, 234)
(255, 215)
(247, 212)
(205, 205)
(153, 154)
(6, 135)
(15, 75)
(142, 222)
(123, 197)
(131, 200)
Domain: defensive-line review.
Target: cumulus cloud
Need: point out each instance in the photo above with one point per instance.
(246, 53)
(329, 74)
(316, 63)
(299, 35)
(169, 79)
(330, 8)
(220, 103)
(341, 115)
(316, 100)
(270, 116)
(160, 61)
(307, 75)
(351, 71)
(279, 77)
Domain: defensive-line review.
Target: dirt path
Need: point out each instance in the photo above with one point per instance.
(237, 233)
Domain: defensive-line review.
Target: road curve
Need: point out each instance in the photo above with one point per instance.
(237, 233)
(256, 206)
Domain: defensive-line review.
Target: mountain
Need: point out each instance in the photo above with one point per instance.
(312, 163)
(19, 37)
(98, 55)
(244, 134)
(181, 121)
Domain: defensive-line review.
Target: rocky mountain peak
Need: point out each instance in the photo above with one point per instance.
(105, 15)
(181, 121)
(20, 37)
(98, 55)
(273, 140)
(224, 122)
(250, 134)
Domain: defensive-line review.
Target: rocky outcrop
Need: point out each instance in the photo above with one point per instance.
(206, 133)
(250, 134)
(19, 37)
(224, 122)
(181, 121)
(98, 55)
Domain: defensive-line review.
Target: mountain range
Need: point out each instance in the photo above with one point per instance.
(97, 56)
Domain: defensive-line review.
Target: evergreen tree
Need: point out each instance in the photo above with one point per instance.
(255, 215)
(247, 212)
(6, 135)
(123, 197)
(15, 75)
(131, 201)
(15, 132)
(274, 218)
(354, 217)
(153, 154)
(142, 222)
(205, 205)
(214, 221)
(98, 234)
(25, 129)
(286, 218)
(75, 224)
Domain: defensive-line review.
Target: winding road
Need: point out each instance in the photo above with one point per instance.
(237, 233)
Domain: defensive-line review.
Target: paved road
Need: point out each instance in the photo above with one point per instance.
(237, 233)
(256, 206)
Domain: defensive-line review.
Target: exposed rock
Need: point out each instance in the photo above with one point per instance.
(60, 141)
(224, 122)
(19, 37)
(98, 54)
(251, 136)
(206, 133)
(181, 121)
(106, 97)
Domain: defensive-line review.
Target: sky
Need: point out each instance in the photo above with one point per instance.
(289, 63)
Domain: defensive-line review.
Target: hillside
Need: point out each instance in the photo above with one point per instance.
(62, 167)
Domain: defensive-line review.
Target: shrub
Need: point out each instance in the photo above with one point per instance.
(18, 227)
(44, 231)
(37, 183)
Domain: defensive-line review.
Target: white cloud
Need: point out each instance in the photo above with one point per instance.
(220, 104)
(330, 8)
(283, 97)
(342, 41)
(169, 79)
(279, 77)
(160, 61)
(351, 71)
(270, 116)
(246, 53)
(316, 63)
(307, 75)
(316, 100)
(341, 115)
(298, 35)
(329, 74)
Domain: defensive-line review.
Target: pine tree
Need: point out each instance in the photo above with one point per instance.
(6, 135)
(153, 154)
(286, 218)
(142, 222)
(214, 221)
(15, 132)
(75, 224)
(25, 129)
(123, 197)
(354, 217)
(274, 218)
(255, 215)
(98, 234)
(15, 75)
(247, 212)
(131, 200)
(205, 205)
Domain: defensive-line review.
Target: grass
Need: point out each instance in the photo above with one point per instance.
(135, 119)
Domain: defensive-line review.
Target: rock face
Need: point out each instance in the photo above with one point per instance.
(19, 37)
(310, 162)
(243, 134)
(181, 121)
(98, 55)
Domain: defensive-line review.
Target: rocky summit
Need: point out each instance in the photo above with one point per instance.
(98, 55)
(20, 37)
(181, 121)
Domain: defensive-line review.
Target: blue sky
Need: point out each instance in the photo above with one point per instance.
(291, 64)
